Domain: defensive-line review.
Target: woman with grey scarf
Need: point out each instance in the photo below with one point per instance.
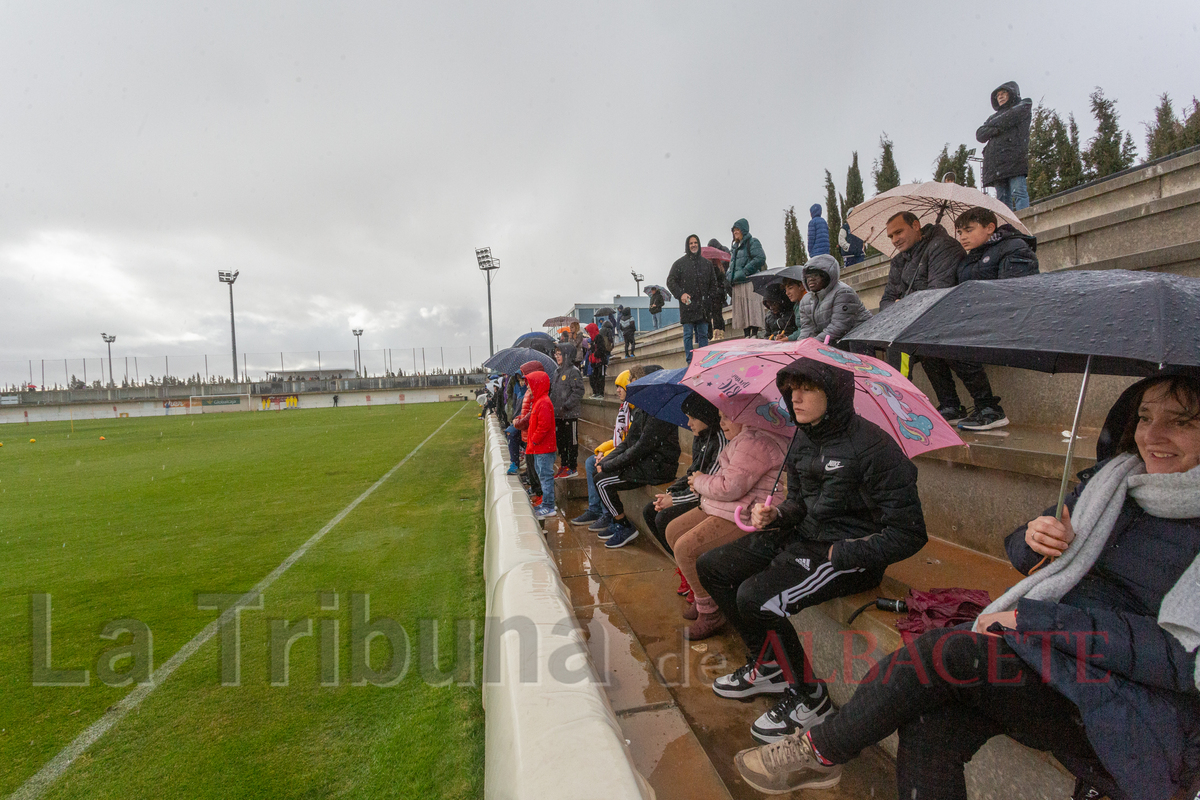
(1092, 657)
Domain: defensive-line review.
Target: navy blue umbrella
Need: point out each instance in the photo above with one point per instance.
(510, 359)
(660, 395)
(525, 338)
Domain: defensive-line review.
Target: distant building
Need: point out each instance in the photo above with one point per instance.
(586, 312)
(328, 373)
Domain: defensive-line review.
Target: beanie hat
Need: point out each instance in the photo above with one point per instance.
(699, 407)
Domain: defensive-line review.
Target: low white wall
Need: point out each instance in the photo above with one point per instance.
(159, 408)
(551, 732)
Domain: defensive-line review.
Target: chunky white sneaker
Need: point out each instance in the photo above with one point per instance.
(795, 712)
(751, 680)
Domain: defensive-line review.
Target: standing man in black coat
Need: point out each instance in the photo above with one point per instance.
(928, 258)
(1005, 138)
(692, 280)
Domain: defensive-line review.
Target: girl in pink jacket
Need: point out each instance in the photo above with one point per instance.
(745, 474)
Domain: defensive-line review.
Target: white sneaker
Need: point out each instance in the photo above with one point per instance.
(795, 712)
(750, 680)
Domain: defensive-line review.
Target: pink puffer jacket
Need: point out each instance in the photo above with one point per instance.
(745, 472)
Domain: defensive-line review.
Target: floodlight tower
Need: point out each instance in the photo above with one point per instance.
(108, 340)
(229, 277)
(487, 263)
(358, 338)
(637, 279)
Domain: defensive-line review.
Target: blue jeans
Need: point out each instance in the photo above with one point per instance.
(544, 464)
(1013, 192)
(514, 444)
(701, 329)
(589, 468)
(657, 319)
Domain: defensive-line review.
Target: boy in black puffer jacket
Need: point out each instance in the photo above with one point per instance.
(994, 251)
(852, 508)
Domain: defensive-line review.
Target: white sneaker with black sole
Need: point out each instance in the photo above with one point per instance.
(751, 680)
(797, 711)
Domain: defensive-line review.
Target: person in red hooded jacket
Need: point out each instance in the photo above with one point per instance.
(542, 442)
(521, 423)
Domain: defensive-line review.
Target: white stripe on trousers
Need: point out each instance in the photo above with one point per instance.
(821, 576)
(602, 485)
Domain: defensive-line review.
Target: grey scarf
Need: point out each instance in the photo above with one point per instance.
(1171, 496)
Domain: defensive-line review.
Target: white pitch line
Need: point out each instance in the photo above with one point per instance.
(53, 770)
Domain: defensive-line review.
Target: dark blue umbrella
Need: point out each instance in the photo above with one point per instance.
(510, 359)
(660, 395)
(525, 338)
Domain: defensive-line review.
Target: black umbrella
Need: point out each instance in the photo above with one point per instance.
(603, 312)
(759, 281)
(510, 360)
(1114, 322)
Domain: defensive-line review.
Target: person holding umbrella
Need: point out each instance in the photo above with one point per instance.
(852, 509)
(746, 258)
(691, 280)
(1092, 657)
(657, 301)
(928, 258)
(718, 254)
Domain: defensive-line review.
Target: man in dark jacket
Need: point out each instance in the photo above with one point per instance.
(852, 508)
(1005, 138)
(691, 280)
(657, 301)
(928, 258)
(648, 454)
(566, 392)
(818, 232)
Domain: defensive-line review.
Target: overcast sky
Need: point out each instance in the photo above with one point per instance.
(347, 158)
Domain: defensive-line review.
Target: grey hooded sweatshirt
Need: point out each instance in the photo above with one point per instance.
(834, 311)
(566, 388)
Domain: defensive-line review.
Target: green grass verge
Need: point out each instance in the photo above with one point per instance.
(165, 508)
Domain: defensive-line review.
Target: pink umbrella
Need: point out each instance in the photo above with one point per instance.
(738, 377)
(714, 254)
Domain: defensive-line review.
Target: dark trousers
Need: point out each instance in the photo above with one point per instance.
(607, 486)
(938, 371)
(629, 344)
(514, 445)
(566, 434)
(758, 585)
(535, 483)
(936, 692)
(657, 521)
(597, 378)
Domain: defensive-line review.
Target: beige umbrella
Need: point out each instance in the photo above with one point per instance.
(931, 202)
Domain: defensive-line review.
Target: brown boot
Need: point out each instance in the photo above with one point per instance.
(705, 626)
(690, 612)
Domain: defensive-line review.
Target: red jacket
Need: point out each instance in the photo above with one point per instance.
(521, 423)
(541, 417)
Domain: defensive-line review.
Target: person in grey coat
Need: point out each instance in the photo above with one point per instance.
(831, 308)
(566, 393)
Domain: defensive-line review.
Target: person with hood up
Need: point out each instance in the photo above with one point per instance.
(1005, 138)
(595, 512)
(716, 310)
(657, 301)
(781, 312)
(831, 309)
(1093, 657)
(648, 454)
(851, 510)
(746, 474)
(708, 440)
(601, 348)
(853, 251)
(746, 259)
(928, 258)
(521, 423)
(818, 232)
(628, 331)
(691, 279)
(566, 394)
(541, 441)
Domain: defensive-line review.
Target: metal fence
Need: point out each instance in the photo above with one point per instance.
(138, 371)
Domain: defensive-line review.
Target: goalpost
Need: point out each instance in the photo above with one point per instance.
(218, 403)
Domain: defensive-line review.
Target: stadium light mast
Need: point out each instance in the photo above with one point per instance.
(107, 340)
(488, 263)
(228, 277)
(637, 279)
(358, 337)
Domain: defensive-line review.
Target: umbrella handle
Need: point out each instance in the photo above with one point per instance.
(737, 517)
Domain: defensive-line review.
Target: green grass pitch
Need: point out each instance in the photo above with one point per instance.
(167, 508)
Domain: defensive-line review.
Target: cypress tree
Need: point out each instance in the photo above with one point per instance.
(832, 217)
(1043, 153)
(1162, 137)
(1189, 129)
(793, 242)
(854, 183)
(957, 163)
(885, 172)
(1108, 151)
(1070, 167)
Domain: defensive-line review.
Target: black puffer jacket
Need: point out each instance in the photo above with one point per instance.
(783, 322)
(706, 449)
(1006, 137)
(849, 483)
(931, 263)
(649, 453)
(1011, 255)
(693, 275)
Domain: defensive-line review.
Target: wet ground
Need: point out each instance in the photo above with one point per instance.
(682, 736)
